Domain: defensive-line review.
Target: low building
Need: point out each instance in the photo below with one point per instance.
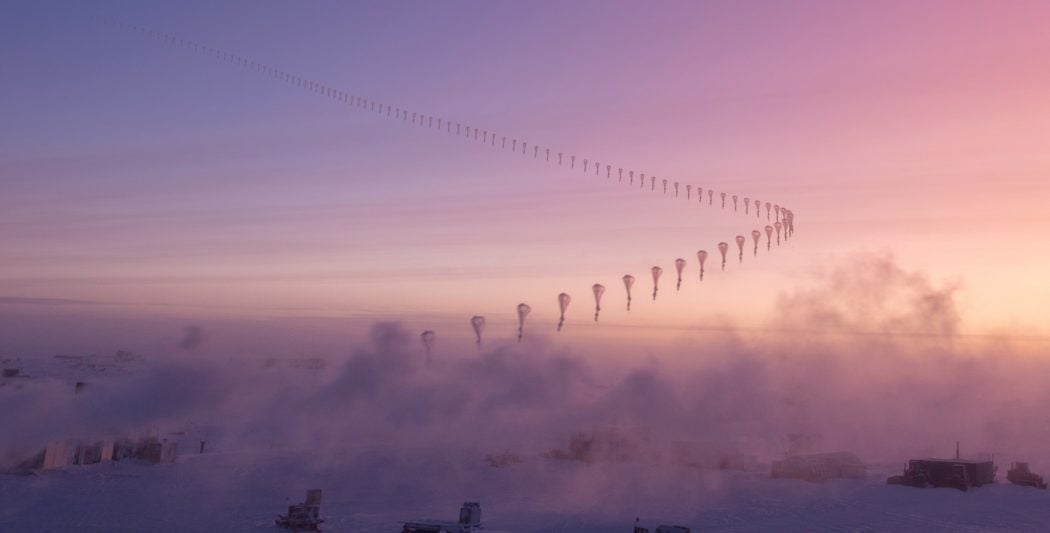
(157, 451)
(610, 443)
(820, 467)
(955, 473)
(469, 522)
(58, 454)
(700, 455)
(663, 529)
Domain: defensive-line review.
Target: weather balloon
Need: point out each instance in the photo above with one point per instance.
(701, 257)
(478, 323)
(679, 265)
(599, 290)
(628, 282)
(523, 311)
(428, 344)
(723, 248)
(657, 271)
(563, 304)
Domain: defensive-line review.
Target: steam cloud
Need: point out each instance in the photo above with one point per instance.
(885, 396)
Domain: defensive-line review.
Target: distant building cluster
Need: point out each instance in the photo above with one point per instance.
(61, 453)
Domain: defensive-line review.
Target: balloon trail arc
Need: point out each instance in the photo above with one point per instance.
(782, 219)
(429, 121)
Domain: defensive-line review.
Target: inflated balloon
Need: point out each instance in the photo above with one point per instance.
(778, 226)
(608, 171)
(598, 290)
(701, 257)
(734, 203)
(523, 311)
(688, 192)
(641, 180)
(478, 323)
(563, 304)
(631, 174)
(723, 248)
(585, 164)
(679, 265)
(769, 207)
(628, 282)
(723, 195)
(740, 240)
(710, 197)
(597, 168)
(700, 194)
(428, 344)
(769, 237)
(513, 145)
(524, 147)
(664, 182)
(619, 172)
(776, 209)
(756, 236)
(758, 209)
(652, 183)
(548, 152)
(657, 271)
(676, 189)
(747, 205)
(572, 161)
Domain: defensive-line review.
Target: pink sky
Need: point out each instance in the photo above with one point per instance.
(173, 184)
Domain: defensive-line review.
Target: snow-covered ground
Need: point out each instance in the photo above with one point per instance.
(389, 439)
(374, 491)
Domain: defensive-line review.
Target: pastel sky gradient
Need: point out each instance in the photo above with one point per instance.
(159, 182)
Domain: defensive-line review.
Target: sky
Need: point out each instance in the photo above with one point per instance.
(144, 184)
